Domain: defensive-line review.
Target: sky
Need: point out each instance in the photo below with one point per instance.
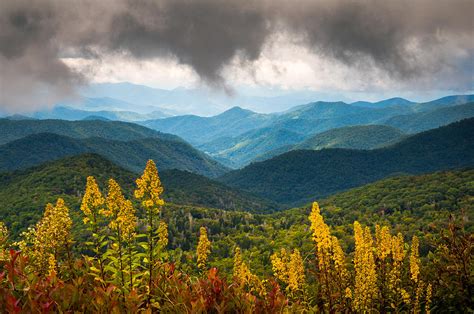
(352, 50)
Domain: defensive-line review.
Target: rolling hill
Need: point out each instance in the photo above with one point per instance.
(396, 101)
(198, 130)
(239, 151)
(422, 121)
(11, 130)
(353, 137)
(168, 154)
(68, 113)
(299, 176)
(24, 193)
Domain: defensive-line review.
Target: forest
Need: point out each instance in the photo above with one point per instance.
(129, 251)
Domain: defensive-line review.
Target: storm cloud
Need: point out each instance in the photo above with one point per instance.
(406, 39)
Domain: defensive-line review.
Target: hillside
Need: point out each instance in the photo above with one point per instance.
(68, 113)
(353, 137)
(422, 121)
(132, 155)
(396, 101)
(239, 151)
(299, 176)
(23, 193)
(198, 130)
(11, 130)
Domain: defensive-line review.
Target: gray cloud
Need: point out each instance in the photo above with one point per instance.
(407, 39)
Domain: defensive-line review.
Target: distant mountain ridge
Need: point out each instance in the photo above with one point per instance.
(196, 129)
(299, 176)
(11, 130)
(352, 137)
(132, 155)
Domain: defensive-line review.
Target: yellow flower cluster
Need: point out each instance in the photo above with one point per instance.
(296, 276)
(428, 299)
(92, 202)
(414, 259)
(365, 288)
(383, 242)
(52, 234)
(321, 236)
(289, 268)
(149, 188)
(162, 234)
(331, 259)
(120, 210)
(3, 241)
(243, 275)
(280, 261)
(203, 248)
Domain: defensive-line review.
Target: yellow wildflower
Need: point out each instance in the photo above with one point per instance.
(149, 188)
(203, 248)
(121, 211)
(52, 233)
(414, 259)
(92, 202)
(296, 276)
(365, 289)
(280, 263)
(383, 241)
(51, 265)
(321, 236)
(163, 234)
(428, 299)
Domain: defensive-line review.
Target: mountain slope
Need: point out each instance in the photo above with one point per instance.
(24, 193)
(168, 154)
(302, 175)
(11, 130)
(198, 130)
(422, 121)
(239, 151)
(353, 137)
(67, 113)
(396, 101)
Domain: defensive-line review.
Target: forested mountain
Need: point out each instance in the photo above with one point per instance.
(421, 121)
(302, 175)
(68, 113)
(302, 122)
(396, 101)
(23, 193)
(11, 130)
(236, 152)
(353, 137)
(198, 130)
(133, 154)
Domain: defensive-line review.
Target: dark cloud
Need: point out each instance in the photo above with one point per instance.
(407, 39)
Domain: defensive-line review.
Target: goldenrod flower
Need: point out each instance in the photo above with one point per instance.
(162, 234)
(203, 248)
(365, 289)
(149, 188)
(280, 262)
(428, 299)
(52, 234)
(383, 241)
(414, 259)
(92, 202)
(120, 210)
(296, 276)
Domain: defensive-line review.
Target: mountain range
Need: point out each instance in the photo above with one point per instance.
(280, 132)
(299, 176)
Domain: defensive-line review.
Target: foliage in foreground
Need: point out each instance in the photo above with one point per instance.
(125, 266)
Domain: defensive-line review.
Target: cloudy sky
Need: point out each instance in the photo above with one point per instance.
(414, 48)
